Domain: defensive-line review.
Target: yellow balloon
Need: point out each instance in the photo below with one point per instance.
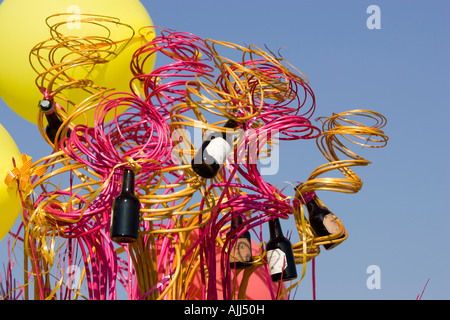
(89, 45)
(10, 203)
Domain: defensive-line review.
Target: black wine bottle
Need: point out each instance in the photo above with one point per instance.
(54, 121)
(241, 251)
(322, 221)
(280, 255)
(213, 153)
(125, 213)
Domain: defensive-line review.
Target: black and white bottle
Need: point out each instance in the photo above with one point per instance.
(213, 152)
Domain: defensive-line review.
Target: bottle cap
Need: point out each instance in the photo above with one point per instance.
(232, 124)
(307, 197)
(46, 106)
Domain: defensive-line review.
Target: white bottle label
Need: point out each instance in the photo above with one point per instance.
(331, 224)
(219, 149)
(277, 261)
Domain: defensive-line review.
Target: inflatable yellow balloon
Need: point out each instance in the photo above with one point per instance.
(70, 50)
(10, 202)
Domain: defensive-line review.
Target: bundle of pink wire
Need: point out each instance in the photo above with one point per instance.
(140, 138)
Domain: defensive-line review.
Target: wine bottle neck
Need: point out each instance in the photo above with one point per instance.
(314, 206)
(275, 228)
(236, 221)
(128, 182)
(230, 124)
(48, 108)
(53, 120)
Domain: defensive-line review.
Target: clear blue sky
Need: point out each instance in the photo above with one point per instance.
(400, 219)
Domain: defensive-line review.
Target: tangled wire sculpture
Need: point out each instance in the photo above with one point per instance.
(185, 232)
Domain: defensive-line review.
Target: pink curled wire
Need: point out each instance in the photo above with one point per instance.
(288, 102)
(165, 86)
(140, 133)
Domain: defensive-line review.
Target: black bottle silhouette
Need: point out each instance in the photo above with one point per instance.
(213, 153)
(54, 121)
(125, 214)
(241, 251)
(280, 255)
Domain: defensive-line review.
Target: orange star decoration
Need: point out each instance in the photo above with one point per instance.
(21, 177)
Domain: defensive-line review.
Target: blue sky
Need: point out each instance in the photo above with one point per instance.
(399, 221)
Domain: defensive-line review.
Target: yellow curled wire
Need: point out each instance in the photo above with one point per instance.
(336, 130)
(64, 63)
